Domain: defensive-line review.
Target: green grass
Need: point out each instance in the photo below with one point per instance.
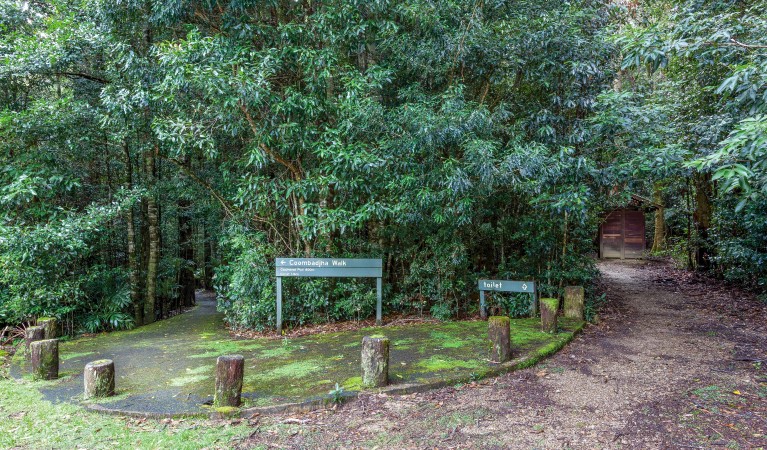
(29, 421)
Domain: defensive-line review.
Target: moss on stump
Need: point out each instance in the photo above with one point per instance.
(99, 379)
(549, 307)
(498, 331)
(45, 359)
(33, 334)
(50, 327)
(375, 361)
(229, 373)
(573, 302)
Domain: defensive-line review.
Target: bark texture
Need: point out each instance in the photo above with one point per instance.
(186, 253)
(50, 327)
(375, 361)
(498, 331)
(703, 214)
(33, 334)
(99, 379)
(229, 373)
(574, 298)
(659, 237)
(549, 308)
(45, 359)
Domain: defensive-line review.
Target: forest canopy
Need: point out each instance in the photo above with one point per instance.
(153, 147)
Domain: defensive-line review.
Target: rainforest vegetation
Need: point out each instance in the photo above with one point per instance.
(149, 148)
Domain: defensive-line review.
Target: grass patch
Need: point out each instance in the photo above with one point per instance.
(352, 384)
(68, 356)
(189, 379)
(297, 369)
(218, 348)
(31, 422)
(277, 352)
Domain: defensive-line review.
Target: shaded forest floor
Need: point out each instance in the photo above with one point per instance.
(676, 362)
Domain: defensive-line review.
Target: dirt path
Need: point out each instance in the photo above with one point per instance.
(675, 363)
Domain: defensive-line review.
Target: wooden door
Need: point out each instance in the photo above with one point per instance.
(622, 235)
(633, 234)
(611, 239)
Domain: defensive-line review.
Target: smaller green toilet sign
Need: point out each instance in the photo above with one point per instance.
(505, 286)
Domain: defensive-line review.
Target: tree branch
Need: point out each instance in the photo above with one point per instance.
(84, 76)
(736, 43)
(228, 207)
(295, 171)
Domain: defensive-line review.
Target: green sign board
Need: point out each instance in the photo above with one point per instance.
(328, 267)
(507, 286)
(526, 287)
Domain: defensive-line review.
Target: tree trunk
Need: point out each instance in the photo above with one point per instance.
(45, 359)
(549, 308)
(99, 379)
(133, 261)
(153, 254)
(207, 257)
(574, 298)
(659, 239)
(375, 361)
(498, 330)
(186, 254)
(702, 217)
(229, 373)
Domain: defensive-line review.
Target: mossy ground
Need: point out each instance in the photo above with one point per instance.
(28, 421)
(173, 362)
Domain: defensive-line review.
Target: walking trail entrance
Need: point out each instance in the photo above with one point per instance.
(677, 362)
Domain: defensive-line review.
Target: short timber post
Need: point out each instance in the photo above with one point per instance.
(379, 301)
(49, 325)
(574, 296)
(482, 306)
(375, 361)
(33, 334)
(45, 359)
(99, 379)
(549, 307)
(498, 330)
(229, 373)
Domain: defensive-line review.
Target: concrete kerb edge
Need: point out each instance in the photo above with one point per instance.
(324, 402)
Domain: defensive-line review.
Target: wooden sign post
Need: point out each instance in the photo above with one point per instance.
(331, 268)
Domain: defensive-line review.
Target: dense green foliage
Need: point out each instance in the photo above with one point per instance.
(700, 68)
(147, 144)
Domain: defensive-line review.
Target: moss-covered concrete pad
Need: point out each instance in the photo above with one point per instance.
(167, 368)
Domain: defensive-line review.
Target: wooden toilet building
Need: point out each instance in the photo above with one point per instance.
(622, 232)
